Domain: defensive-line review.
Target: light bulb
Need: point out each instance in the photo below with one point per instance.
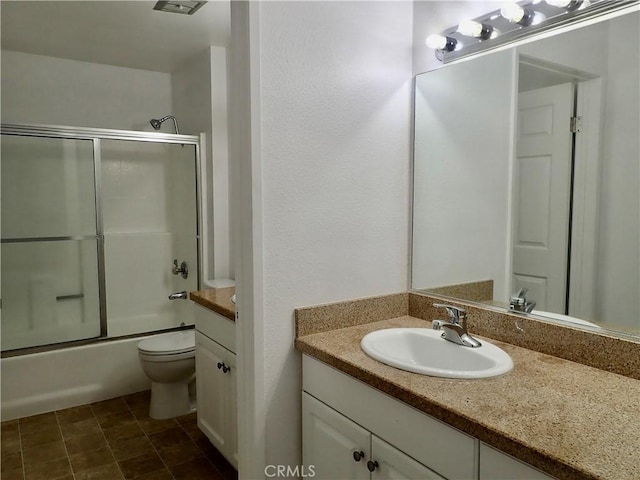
(440, 42)
(516, 14)
(471, 28)
(512, 12)
(569, 4)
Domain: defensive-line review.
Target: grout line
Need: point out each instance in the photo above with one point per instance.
(149, 439)
(24, 469)
(107, 441)
(64, 444)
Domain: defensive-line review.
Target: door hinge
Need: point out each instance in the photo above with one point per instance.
(575, 125)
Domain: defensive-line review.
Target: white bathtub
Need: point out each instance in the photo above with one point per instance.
(43, 382)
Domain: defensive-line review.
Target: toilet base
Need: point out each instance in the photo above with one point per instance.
(169, 400)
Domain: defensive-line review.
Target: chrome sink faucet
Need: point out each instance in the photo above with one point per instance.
(455, 330)
(518, 302)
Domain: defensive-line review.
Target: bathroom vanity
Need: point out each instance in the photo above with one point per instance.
(216, 370)
(547, 418)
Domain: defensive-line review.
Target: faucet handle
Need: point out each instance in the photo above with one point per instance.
(456, 314)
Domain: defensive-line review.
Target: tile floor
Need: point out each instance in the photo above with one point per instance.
(110, 440)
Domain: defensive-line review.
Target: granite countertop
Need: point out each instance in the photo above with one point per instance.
(567, 419)
(217, 299)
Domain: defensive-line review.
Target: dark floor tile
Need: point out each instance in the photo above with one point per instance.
(230, 474)
(176, 454)
(75, 414)
(9, 429)
(109, 407)
(157, 475)
(33, 427)
(44, 453)
(83, 427)
(116, 419)
(199, 469)
(137, 400)
(104, 472)
(123, 432)
(83, 443)
(10, 445)
(37, 421)
(15, 474)
(53, 470)
(10, 437)
(169, 437)
(49, 435)
(91, 459)
(141, 412)
(151, 425)
(188, 420)
(131, 447)
(217, 459)
(141, 465)
(10, 461)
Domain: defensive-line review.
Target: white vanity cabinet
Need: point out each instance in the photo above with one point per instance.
(342, 416)
(337, 447)
(216, 381)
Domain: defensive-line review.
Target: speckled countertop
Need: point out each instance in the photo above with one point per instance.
(567, 419)
(216, 299)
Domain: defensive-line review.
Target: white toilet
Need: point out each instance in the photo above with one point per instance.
(169, 362)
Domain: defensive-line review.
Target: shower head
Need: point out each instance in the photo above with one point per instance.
(157, 123)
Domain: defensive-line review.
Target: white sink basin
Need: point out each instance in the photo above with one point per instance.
(422, 350)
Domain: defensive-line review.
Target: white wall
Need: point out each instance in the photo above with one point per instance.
(619, 242)
(55, 91)
(200, 104)
(331, 115)
(463, 152)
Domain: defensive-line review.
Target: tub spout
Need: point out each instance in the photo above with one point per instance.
(178, 295)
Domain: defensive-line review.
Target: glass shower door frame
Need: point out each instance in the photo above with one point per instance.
(96, 135)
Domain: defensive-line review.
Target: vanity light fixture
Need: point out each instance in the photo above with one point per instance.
(515, 21)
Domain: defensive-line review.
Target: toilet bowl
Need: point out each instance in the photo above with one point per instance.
(169, 362)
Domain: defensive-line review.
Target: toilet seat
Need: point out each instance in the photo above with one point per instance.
(173, 344)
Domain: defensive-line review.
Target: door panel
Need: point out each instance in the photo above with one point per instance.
(542, 193)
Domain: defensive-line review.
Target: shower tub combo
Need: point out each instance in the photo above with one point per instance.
(99, 228)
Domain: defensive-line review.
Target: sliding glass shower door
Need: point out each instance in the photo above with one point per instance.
(49, 256)
(99, 228)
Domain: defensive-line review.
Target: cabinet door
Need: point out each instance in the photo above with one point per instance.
(232, 411)
(396, 465)
(329, 441)
(495, 465)
(213, 393)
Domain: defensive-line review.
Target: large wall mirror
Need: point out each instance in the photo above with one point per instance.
(527, 176)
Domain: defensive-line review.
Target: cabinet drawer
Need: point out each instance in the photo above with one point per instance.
(496, 465)
(216, 327)
(449, 452)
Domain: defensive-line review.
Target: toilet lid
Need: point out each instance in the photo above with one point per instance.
(169, 343)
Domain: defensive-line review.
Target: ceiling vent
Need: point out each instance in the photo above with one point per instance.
(173, 6)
